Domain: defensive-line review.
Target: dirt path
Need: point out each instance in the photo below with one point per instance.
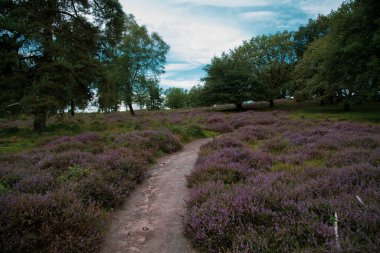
(151, 221)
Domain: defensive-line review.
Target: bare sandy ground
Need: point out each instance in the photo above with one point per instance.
(151, 220)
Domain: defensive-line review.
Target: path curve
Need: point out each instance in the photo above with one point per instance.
(151, 220)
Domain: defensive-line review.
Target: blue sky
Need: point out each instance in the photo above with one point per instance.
(196, 30)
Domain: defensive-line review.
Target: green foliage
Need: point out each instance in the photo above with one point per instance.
(3, 188)
(273, 57)
(196, 96)
(149, 95)
(137, 63)
(176, 98)
(229, 79)
(314, 30)
(74, 173)
(53, 46)
(344, 65)
(260, 69)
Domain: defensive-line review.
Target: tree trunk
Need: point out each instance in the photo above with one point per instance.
(72, 108)
(331, 100)
(131, 109)
(271, 103)
(346, 106)
(39, 123)
(239, 106)
(322, 102)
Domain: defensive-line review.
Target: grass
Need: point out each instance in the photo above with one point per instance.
(369, 112)
(18, 138)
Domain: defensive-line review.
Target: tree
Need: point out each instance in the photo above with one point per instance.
(108, 94)
(272, 58)
(156, 100)
(141, 96)
(14, 75)
(315, 29)
(309, 73)
(196, 96)
(176, 98)
(149, 94)
(346, 61)
(229, 79)
(57, 41)
(138, 57)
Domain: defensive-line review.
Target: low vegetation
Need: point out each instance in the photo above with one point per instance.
(56, 193)
(58, 188)
(276, 184)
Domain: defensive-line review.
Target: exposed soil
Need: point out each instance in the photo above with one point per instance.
(151, 220)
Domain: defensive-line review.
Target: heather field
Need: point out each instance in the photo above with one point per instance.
(269, 181)
(280, 184)
(58, 188)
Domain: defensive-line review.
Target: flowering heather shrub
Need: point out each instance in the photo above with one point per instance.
(37, 183)
(275, 145)
(89, 141)
(88, 137)
(53, 222)
(242, 119)
(202, 192)
(348, 156)
(219, 143)
(107, 190)
(229, 165)
(312, 169)
(253, 133)
(218, 122)
(221, 127)
(299, 157)
(59, 163)
(164, 141)
(53, 197)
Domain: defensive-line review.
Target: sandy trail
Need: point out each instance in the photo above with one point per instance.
(151, 220)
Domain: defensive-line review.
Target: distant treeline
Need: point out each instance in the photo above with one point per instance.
(59, 54)
(64, 54)
(334, 58)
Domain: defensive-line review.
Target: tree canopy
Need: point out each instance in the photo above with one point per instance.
(332, 58)
(176, 98)
(259, 69)
(344, 64)
(55, 46)
(139, 58)
(59, 54)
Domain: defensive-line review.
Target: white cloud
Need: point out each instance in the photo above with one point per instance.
(229, 3)
(319, 7)
(193, 38)
(180, 66)
(259, 15)
(186, 84)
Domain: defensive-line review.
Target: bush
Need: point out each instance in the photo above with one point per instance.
(283, 196)
(54, 222)
(53, 197)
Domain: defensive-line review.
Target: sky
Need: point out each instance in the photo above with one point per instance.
(197, 30)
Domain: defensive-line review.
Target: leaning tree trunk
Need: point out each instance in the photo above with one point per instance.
(72, 108)
(271, 103)
(131, 109)
(39, 123)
